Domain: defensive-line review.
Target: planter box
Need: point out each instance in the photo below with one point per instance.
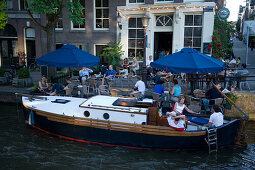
(3, 80)
(26, 82)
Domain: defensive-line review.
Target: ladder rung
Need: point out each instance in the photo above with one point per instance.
(214, 139)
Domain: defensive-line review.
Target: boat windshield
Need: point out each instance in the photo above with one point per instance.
(125, 102)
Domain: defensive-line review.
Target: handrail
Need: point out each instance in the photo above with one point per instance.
(246, 117)
(31, 96)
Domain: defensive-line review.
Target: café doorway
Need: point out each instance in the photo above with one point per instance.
(162, 41)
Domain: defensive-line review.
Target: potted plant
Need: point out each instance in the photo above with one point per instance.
(232, 97)
(24, 79)
(3, 79)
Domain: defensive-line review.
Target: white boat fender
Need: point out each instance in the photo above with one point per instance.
(31, 118)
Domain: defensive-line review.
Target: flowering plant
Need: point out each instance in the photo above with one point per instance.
(221, 45)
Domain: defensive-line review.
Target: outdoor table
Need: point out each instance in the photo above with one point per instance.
(145, 102)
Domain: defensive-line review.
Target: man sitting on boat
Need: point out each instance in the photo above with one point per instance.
(216, 119)
(58, 89)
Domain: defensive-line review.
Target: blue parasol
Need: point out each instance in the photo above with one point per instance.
(189, 60)
(68, 56)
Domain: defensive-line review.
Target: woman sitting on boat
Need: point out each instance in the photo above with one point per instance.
(180, 106)
(176, 122)
(43, 85)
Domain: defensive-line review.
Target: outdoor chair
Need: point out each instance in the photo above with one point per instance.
(85, 90)
(136, 94)
(102, 90)
(69, 92)
(157, 98)
(243, 81)
(92, 85)
(218, 101)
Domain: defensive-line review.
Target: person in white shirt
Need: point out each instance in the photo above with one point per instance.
(139, 85)
(216, 119)
(148, 66)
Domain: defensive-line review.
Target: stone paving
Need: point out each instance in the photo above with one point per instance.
(239, 49)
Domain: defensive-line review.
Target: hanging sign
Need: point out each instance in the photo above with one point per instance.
(223, 13)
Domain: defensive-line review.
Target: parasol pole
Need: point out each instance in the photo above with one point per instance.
(187, 84)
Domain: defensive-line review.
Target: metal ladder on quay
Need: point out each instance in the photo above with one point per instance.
(211, 140)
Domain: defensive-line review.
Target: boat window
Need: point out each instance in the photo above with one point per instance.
(106, 116)
(86, 114)
(125, 102)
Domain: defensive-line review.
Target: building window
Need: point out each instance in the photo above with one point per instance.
(136, 1)
(163, 0)
(164, 20)
(193, 31)
(9, 5)
(59, 24)
(99, 50)
(22, 5)
(102, 14)
(83, 47)
(135, 37)
(76, 26)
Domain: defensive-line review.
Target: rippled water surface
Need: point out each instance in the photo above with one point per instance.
(24, 148)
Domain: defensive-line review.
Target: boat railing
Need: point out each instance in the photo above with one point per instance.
(117, 108)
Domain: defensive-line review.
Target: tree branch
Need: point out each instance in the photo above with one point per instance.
(33, 19)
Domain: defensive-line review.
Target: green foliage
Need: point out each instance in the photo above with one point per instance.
(112, 53)
(75, 10)
(23, 73)
(1, 72)
(35, 87)
(221, 45)
(53, 9)
(232, 97)
(3, 15)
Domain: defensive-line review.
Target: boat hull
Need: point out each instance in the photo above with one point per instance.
(62, 128)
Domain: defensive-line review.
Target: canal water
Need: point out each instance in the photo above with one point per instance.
(22, 147)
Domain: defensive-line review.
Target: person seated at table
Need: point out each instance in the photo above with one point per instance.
(239, 73)
(232, 63)
(175, 91)
(159, 88)
(139, 85)
(135, 66)
(58, 89)
(212, 93)
(179, 107)
(148, 66)
(216, 119)
(110, 73)
(84, 74)
(43, 85)
(238, 61)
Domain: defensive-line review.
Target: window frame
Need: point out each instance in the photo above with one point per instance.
(193, 26)
(136, 48)
(165, 1)
(135, 3)
(95, 18)
(72, 24)
(59, 28)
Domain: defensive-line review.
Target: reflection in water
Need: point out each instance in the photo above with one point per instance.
(25, 148)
